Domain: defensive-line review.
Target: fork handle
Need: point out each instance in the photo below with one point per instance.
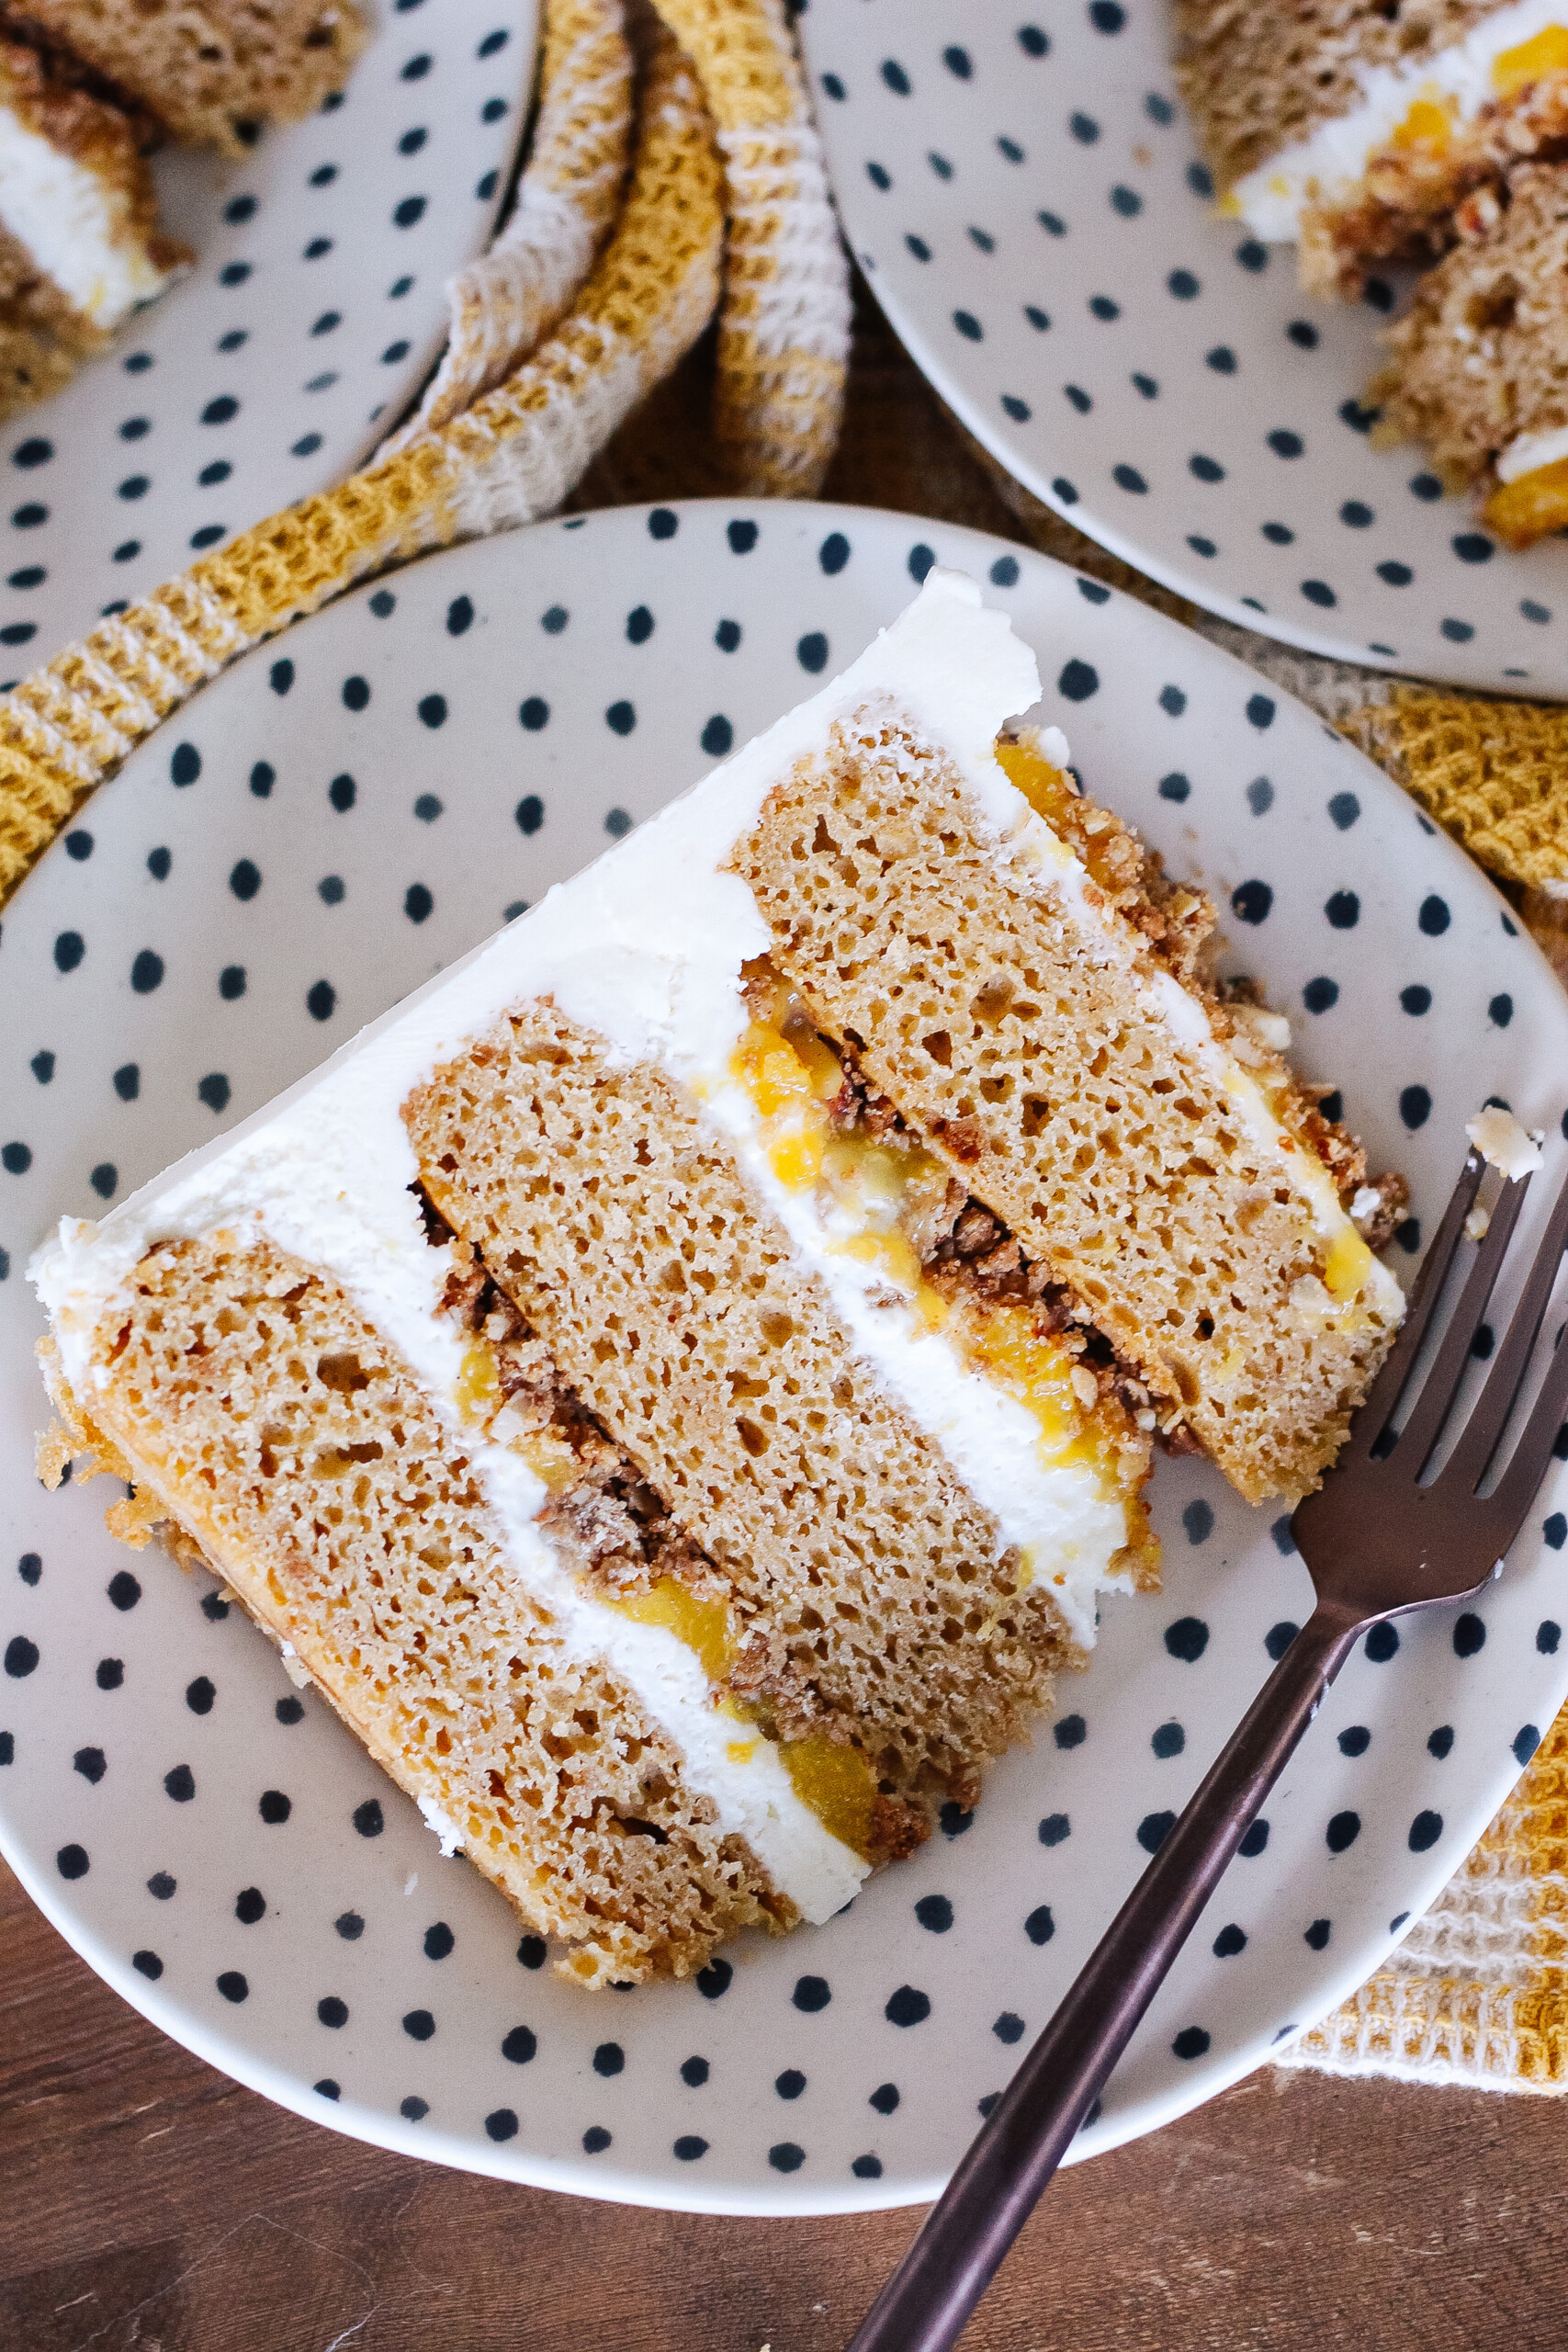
(925, 2303)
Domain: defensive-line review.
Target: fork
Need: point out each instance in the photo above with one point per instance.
(1378, 1543)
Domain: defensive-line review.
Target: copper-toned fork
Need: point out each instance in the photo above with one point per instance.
(1379, 1542)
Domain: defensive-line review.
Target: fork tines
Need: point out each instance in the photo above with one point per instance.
(1417, 1442)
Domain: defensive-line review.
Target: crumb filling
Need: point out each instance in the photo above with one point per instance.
(613, 1528)
(890, 1201)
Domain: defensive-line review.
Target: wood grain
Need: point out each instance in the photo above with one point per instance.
(150, 2205)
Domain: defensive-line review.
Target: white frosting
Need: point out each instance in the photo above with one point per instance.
(646, 948)
(1503, 1143)
(1331, 160)
(73, 224)
(1532, 450)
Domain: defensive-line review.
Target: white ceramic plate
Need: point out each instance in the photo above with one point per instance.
(1025, 195)
(286, 858)
(313, 313)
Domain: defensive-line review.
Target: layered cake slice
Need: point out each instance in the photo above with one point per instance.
(1480, 365)
(79, 242)
(1366, 132)
(1355, 128)
(679, 1383)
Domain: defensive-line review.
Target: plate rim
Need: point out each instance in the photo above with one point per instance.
(663, 2191)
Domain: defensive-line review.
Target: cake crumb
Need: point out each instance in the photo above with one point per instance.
(1503, 1143)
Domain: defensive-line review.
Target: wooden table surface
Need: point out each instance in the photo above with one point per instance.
(150, 2203)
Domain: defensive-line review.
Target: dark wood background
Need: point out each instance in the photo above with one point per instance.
(148, 2204)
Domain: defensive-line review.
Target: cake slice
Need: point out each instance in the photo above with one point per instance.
(680, 1382)
(213, 72)
(1480, 367)
(80, 246)
(1354, 129)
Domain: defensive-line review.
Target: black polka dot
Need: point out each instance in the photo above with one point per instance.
(148, 1965)
(620, 717)
(811, 652)
(418, 2024)
(1343, 910)
(1343, 1831)
(1425, 1831)
(1382, 1644)
(1555, 1529)
(1253, 1844)
(907, 2006)
(1229, 1941)
(1188, 1638)
(1434, 917)
(789, 2085)
(214, 1608)
(662, 523)
(1470, 1635)
(695, 2074)
(321, 1001)
(91, 1763)
(1317, 1934)
(413, 2110)
(1320, 995)
(686, 2150)
(617, 824)
(609, 2058)
(717, 736)
(1053, 1828)
(834, 552)
(233, 1985)
(786, 2156)
(180, 1783)
(1154, 1829)
(935, 1913)
(713, 1981)
(1168, 1740)
(811, 1993)
(1078, 681)
(1548, 1634)
(274, 1806)
(146, 972)
(21, 1656)
(742, 537)
(1190, 2043)
(123, 1589)
(1070, 1731)
(501, 2124)
(368, 1818)
(160, 1887)
(349, 1926)
(884, 2098)
(418, 902)
(1355, 1741)
(250, 1905)
(1198, 1519)
(1526, 1740)
(200, 1695)
(356, 693)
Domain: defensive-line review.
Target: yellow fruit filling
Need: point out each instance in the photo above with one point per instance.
(1526, 510)
(834, 1782)
(1546, 53)
(1427, 126)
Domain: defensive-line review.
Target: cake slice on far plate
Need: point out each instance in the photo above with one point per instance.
(679, 1383)
(80, 247)
(1369, 133)
(212, 71)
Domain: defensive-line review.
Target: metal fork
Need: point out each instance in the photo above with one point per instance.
(1379, 1542)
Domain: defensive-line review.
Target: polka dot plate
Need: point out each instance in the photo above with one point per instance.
(332, 821)
(312, 314)
(1025, 195)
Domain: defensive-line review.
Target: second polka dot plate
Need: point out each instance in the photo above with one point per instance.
(332, 821)
(312, 313)
(1024, 192)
